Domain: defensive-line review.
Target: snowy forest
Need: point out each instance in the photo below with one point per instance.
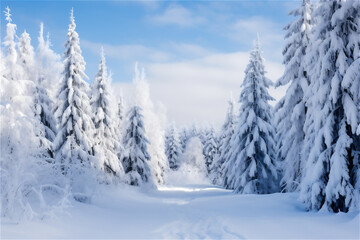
(66, 136)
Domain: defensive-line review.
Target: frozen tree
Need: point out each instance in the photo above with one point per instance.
(103, 118)
(290, 112)
(28, 175)
(49, 66)
(136, 159)
(120, 110)
(26, 57)
(194, 131)
(192, 160)
(227, 131)
(211, 148)
(250, 167)
(173, 147)
(154, 127)
(28, 178)
(183, 138)
(12, 70)
(42, 101)
(73, 144)
(333, 108)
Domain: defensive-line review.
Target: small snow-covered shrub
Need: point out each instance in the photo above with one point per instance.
(192, 163)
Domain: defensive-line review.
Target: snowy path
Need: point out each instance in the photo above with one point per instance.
(188, 211)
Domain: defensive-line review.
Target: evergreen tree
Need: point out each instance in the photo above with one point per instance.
(49, 66)
(153, 125)
(105, 136)
(43, 102)
(227, 131)
(290, 112)
(26, 56)
(27, 172)
(250, 167)
(183, 138)
(173, 147)
(333, 108)
(12, 70)
(136, 159)
(211, 148)
(120, 109)
(73, 144)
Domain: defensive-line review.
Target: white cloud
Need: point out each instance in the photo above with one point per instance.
(128, 52)
(177, 15)
(271, 35)
(197, 90)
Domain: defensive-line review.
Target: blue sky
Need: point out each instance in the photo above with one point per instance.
(172, 40)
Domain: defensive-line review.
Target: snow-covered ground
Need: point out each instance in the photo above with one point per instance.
(184, 210)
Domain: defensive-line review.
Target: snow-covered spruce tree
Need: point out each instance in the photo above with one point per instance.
(250, 167)
(183, 138)
(43, 102)
(173, 147)
(227, 131)
(120, 110)
(154, 127)
(49, 65)
(192, 160)
(103, 118)
(73, 145)
(12, 70)
(333, 108)
(28, 175)
(26, 57)
(290, 112)
(211, 148)
(136, 159)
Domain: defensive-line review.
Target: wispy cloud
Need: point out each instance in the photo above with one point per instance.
(128, 52)
(176, 14)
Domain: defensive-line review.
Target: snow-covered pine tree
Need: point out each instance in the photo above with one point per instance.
(43, 103)
(136, 159)
(183, 138)
(73, 145)
(26, 57)
(173, 147)
(154, 127)
(49, 65)
(119, 125)
(333, 108)
(227, 131)
(192, 160)
(211, 148)
(27, 174)
(250, 167)
(12, 69)
(104, 135)
(290, 111)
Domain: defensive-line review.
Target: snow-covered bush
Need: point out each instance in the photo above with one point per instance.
(192, 162)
